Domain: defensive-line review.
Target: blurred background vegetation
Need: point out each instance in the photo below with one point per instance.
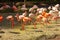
(28, 3)
(45, 1)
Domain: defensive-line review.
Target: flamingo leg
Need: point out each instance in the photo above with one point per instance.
(34, 25)
(23, 25)
(12, 22)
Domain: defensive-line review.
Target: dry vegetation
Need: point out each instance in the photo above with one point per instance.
(43, 32)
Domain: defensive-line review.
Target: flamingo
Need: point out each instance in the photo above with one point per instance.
(21, 17)
(39, 18)
(46, 18)
(17, 16)
(44, 15)
(32, 17)
(24, 19)
(11, 19)
(14, 8)
(49, 8)
(1, 19)
(54, 13)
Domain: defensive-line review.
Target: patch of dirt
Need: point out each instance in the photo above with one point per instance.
(2, 32)
(43, 37)
(57, 38)
(15, 32)
(0, 36)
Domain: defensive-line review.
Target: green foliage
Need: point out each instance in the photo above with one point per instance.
(6, 10)
(34, 0)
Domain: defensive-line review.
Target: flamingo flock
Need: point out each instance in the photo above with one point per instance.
(37, 15)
